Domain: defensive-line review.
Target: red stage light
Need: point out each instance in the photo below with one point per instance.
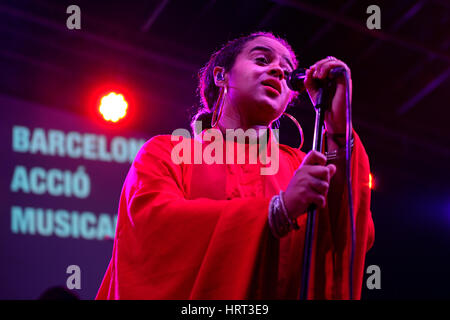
(113, 107)
(371, 182)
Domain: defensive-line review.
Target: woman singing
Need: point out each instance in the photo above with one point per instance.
(192, 228)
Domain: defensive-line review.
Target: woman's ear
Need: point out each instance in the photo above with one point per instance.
(219, 76)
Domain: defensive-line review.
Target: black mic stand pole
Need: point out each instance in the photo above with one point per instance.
(322, 104)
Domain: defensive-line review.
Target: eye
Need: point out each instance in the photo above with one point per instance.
(262, 60)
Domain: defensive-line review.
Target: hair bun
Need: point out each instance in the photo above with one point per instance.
(205, 118)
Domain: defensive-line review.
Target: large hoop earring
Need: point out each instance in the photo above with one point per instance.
(219, 104)
(300, 130)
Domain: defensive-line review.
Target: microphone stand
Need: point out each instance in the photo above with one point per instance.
(323, 102)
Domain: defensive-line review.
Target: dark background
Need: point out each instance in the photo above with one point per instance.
(152, 51)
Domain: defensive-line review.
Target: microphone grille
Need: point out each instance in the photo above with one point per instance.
(296, 79)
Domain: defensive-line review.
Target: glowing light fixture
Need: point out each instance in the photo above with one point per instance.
(113, 107)
(371, 181)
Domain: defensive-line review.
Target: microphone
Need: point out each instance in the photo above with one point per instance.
(297, 77)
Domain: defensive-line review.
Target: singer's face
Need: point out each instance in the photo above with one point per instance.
(257, 81)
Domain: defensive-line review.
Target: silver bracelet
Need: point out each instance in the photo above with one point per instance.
(335, 154)
(282, 226)
(271, 222)
(292, 222)
(278, 225)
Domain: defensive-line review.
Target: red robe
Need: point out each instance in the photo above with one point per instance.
(200, 231)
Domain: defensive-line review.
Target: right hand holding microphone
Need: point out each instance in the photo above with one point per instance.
(309, 185)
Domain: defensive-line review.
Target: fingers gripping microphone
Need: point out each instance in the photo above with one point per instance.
(296, 80)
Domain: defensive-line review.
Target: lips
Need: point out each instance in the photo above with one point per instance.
(275, 84)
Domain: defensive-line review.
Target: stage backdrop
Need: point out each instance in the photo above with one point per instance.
(61, 180)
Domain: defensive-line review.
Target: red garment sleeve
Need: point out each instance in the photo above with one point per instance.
(169, 247)
(330, 261)
(333, 236)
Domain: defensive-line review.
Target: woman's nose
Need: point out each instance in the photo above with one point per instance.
(276, 71)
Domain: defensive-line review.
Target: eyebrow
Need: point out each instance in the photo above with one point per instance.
(268, 49)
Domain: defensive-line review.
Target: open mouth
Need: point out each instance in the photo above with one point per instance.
(273, 85)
